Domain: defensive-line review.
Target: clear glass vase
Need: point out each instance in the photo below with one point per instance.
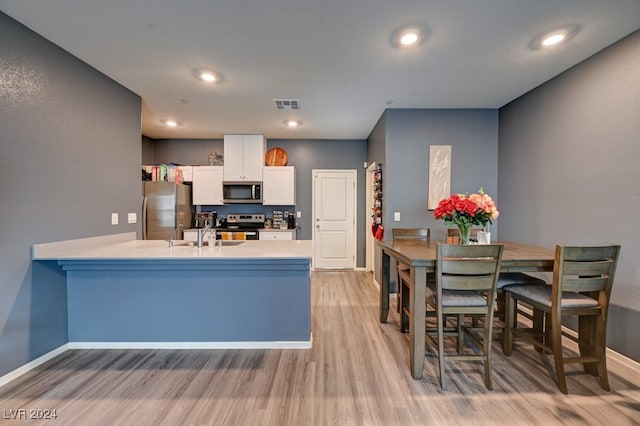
(465, 230)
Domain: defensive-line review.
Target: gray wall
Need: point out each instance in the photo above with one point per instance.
(376, 143)
(69, 152)
(147, 150)
(305, 155)
(569, 158)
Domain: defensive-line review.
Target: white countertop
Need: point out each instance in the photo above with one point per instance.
(123, 247)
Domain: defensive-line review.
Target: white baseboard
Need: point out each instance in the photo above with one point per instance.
(32, 365)
(192, 345)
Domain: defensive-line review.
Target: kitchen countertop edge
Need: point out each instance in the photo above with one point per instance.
(126, 247)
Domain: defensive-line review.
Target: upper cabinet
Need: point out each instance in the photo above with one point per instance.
(243, 157)
(207, 185)
(279, 186)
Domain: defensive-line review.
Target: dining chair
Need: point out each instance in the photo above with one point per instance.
(403, 270)
(466, 278)
(504, 279)
(581, 286)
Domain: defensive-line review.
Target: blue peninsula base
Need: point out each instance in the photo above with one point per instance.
(179, 302)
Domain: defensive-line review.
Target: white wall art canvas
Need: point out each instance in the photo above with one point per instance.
(439, 174)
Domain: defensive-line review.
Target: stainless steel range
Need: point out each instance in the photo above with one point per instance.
(241, 226)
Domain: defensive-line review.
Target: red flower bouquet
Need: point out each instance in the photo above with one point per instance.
(464, 211)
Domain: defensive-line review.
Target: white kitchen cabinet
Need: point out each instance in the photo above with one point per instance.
(244, 157)
(279, 185)
(207, 185)
(283, 234)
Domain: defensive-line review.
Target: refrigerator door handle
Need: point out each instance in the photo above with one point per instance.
(144, 217)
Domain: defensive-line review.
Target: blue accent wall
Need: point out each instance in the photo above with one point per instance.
(400, 141)
(408, 133)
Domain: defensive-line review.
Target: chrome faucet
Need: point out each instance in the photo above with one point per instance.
(202, 232)
(174, 236)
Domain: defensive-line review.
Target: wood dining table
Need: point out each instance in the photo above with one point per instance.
(421, 256)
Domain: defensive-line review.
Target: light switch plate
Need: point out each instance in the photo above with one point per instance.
(396, 216)
(298, 214)
(114, 218)
(131, 218)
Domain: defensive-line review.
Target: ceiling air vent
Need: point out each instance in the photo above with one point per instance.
(286, 104)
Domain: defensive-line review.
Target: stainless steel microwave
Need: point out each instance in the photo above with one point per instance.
(242, 192)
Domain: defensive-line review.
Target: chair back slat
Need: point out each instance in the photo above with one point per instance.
(417, 234)
(468, 267)
(585, 269)
(467, 282)
(585, 284)
(592, 253)
(594, 268)
(467, 251)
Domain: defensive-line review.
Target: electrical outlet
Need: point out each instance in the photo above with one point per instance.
(298, 214)
(396, 216)
(114, 218)
(132, 218)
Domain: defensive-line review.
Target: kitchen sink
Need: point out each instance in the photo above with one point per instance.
(206, 243)
(231, 243)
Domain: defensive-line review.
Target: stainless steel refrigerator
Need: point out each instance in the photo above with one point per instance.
(166, 210)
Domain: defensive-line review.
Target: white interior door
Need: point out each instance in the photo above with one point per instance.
(334, 219)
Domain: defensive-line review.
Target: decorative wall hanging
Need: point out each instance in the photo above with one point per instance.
(439, 174)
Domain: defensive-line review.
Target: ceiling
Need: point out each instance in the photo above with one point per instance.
(336, 57)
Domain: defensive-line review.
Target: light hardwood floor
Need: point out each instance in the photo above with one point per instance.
(356, 374)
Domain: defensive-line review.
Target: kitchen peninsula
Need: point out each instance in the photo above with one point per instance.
(128, 293)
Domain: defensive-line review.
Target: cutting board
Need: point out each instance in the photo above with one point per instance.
(276, 157)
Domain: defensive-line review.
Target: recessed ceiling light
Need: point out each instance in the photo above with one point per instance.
(553, 38)
(409, 38)
(208, 76)
(171, 123)
(409, 35)
(293, 123)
